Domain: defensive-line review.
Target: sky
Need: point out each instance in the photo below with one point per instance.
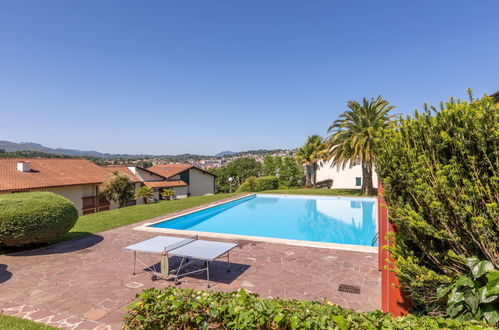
(172, 77)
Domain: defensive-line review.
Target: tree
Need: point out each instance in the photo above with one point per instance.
(353, 136)
(167, 194)
(117, 188)
(145, 193)
(291, 173)
(285, 168)
(271, 165)
(239, 169)
(310, 154)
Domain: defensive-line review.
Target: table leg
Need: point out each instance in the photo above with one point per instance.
(208, 272)
(178, 270)
(134, 260)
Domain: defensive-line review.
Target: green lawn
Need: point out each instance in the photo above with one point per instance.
(308, 191)
(14, 323)
(102, 221)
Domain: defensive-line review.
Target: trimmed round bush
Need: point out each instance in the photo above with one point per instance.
(34, 217)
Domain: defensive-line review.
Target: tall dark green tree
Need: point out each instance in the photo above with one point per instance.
(353, 136)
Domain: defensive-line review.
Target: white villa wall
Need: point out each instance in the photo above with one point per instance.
(201, 183)
(342, 178)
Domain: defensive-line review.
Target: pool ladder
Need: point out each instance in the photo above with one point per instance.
(375, 239)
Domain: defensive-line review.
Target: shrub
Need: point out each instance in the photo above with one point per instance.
(118, 188)
(174, 308)
(167, 194)
(34, 217)
(248, 186)
(253, 184)
(267, 183)
(476, 297)
(439, 171)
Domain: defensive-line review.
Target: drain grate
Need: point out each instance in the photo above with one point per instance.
(349, 288)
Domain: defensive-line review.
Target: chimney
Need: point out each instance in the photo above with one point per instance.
(23, 166)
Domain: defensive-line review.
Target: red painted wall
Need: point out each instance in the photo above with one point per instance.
(392, 298)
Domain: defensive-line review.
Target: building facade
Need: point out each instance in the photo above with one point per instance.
(343, 178)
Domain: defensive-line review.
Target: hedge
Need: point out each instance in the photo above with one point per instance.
(175, 308)
(34, 217)
(253, 184)
(440, 176)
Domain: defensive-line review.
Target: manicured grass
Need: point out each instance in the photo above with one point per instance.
(102, 221)
(309, 191)
(14, 323)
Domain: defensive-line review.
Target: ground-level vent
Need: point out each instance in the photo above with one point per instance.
(349, 288)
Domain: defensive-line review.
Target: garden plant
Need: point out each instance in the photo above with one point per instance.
(439, 171)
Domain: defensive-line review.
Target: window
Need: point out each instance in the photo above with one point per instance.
(358, 181)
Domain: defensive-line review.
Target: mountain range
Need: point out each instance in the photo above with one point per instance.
(8, 146)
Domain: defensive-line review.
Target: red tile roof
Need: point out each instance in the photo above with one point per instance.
(169, 170)
(165, 184)
(49, 172)
(124, 170)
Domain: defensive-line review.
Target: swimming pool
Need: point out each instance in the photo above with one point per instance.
(341, 220)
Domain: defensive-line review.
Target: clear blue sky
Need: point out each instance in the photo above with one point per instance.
(169, 77)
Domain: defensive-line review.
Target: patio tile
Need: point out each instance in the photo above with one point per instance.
(89, 280)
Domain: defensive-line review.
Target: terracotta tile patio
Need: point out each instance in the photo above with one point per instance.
(86, 283)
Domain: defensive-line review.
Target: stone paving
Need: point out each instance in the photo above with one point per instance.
(86, 283)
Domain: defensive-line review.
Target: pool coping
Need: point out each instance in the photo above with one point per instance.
(336, 246)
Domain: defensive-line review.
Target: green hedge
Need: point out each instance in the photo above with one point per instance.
(174, 308)
(253, 184)
(34, 217)
(440, 176)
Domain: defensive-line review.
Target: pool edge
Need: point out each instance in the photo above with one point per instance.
(322, 245)
(335, 246)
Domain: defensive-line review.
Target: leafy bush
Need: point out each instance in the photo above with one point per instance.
(267, 183)
(167, 194)
(34, 217)
(253, 184)
(439, 171)
(118, 188)
(174, 308)
(248, 186)
(476, 297)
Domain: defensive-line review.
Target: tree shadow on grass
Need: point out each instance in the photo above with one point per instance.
(5, 275)
(84, 241)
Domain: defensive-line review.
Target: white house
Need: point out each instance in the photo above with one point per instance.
(347, 178)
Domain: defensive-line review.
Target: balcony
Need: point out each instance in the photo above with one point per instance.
(92, 204)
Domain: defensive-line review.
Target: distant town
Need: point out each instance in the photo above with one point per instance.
(29, 150)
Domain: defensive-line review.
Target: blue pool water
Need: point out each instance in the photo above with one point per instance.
(306, 218)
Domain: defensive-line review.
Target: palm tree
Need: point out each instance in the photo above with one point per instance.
(117, 188)
(310, 154)
(167, 194)
(353, 136)
(145, 193)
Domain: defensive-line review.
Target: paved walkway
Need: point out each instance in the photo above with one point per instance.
(87, 282)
